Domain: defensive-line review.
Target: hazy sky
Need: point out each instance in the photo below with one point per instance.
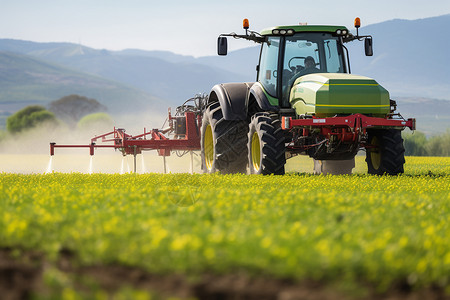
(187, 27)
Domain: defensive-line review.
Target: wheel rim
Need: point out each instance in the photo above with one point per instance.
(375, 154)
(256, 152)
(208, 146)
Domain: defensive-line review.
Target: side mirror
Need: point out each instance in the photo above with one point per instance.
(368, 46)
(222, 45)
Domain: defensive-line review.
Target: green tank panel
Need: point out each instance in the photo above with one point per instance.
(328, 94)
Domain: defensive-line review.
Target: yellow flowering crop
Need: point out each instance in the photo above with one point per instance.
(377, 229)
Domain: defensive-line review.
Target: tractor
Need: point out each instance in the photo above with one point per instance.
(304, 101)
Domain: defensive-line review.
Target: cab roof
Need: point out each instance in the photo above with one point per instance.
(305, 28)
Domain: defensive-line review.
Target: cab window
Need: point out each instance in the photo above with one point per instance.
(268, 65)
(307, 53)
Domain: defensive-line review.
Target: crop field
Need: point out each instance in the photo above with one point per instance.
(298, 236)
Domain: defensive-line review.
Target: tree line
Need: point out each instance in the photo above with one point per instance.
(80, 112)
(417, 144)
(73, 111)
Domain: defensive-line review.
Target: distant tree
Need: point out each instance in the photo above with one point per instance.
(97, 121)
(74, 107)
(439, 145)
(29, 117)
(2, 135)
(415, 143)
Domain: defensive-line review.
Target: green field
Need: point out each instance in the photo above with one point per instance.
(356, 236)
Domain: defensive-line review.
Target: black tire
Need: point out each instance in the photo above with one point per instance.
(266, 145)
(388, 155)
(223, 143)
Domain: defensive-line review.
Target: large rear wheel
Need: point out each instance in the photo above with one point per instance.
(386, 154)
(223, 143)
(266, 145)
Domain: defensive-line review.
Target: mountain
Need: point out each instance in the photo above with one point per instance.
(410, 57)
(172, 77)
(410, 60)
(242, 61)
(27, 80)
(164, 55)
(174, 82)
(431, 115)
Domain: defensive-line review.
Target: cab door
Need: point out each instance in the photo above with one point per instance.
(268, 66)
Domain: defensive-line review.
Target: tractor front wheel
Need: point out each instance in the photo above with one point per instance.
(223, 143)
(266, 145)
(386, 154)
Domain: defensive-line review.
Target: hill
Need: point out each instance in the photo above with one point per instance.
(241, 61)
(410, 57)
(431, 114)
(163, 74)
(27, 80)
(410, 60)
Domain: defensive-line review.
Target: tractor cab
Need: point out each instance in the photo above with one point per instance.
(291, 52)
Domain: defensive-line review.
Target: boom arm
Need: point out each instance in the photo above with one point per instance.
(253, 36)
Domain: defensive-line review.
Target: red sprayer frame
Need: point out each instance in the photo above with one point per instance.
(185, 127)
(346, 128)
(357, 121)
(151, 140)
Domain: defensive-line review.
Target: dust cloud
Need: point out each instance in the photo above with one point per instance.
(29, 152)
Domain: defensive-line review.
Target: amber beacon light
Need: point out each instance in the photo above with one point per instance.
(357, 22)
(245, 24)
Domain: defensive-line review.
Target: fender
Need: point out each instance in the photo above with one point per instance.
(233, 99)
(257, 92)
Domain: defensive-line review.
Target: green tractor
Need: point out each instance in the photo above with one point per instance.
(305, 101)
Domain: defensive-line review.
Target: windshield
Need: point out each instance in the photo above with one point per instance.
(304, 53)
(310, 52)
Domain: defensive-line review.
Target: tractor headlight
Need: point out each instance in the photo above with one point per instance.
(342, 32)
(283, 31)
